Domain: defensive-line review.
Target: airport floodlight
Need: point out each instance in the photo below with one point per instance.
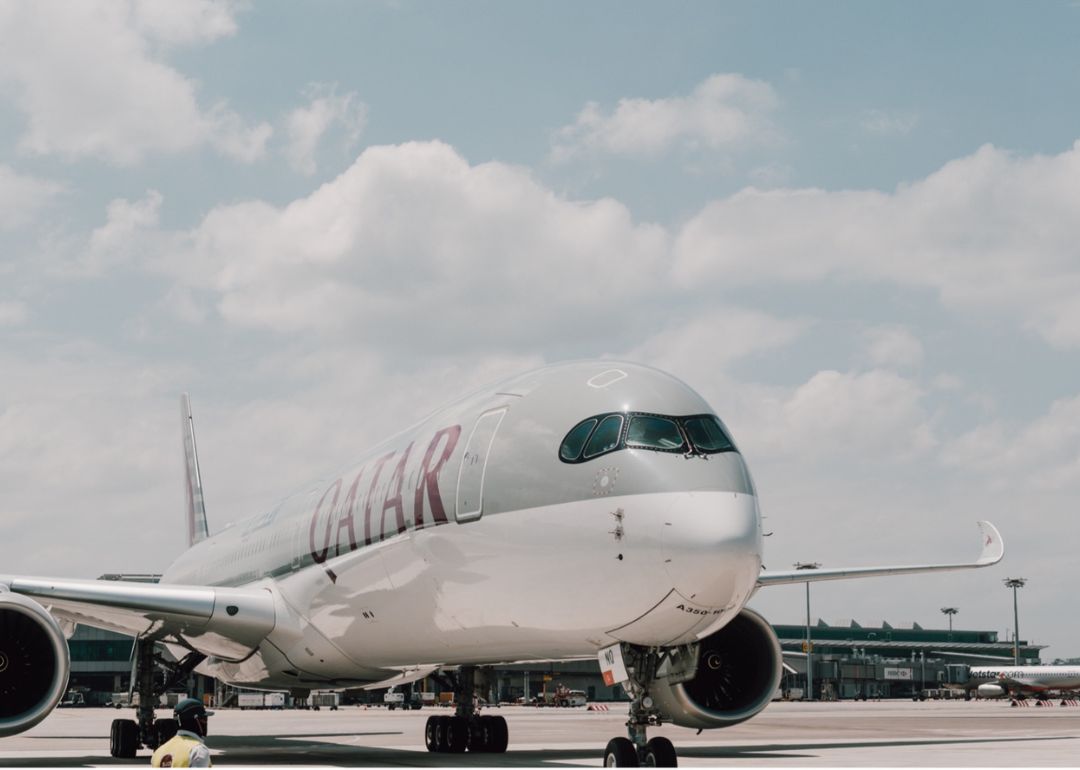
(1015, 583)
(949, 612)
(809, 645)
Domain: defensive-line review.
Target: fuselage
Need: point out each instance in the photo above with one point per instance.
(1027, 679)
(543, 517)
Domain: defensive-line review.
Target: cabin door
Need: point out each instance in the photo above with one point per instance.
(470, 489)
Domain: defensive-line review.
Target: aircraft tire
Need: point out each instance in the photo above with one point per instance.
(480, 735)
(659, 752)
(442, 733)
(620, 752)
(498, 734)
(457, 734)
(124, 739)
(165, 729)
(430, 733)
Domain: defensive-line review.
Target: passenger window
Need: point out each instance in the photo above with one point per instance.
(605, 437)
(575, 440)
(707, 434)
(654, 433)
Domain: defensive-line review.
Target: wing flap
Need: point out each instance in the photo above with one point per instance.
(993, 549)
(228, 623)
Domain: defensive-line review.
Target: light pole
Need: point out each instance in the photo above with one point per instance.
(950, 611)
(809, 644)
(1015, 583)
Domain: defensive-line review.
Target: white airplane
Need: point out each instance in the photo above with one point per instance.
(419, 559)
(1021, 681)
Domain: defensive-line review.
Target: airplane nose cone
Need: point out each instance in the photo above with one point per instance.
(712, 547)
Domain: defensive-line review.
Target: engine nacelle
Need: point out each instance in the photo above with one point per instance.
(34, 663)
(739, 669)
(991, 691)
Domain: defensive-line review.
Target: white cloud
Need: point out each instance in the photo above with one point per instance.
(413, 233)
(721, 111)
(892, 347)
(22, 197)
(989, 232)
(1042, 454)
(89, 83)
(130, 233)
(875, 416)
(699, 348)
(187, 23)
(78, 423)
(306, 126)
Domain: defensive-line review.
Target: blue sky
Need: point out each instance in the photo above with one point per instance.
(851, 226)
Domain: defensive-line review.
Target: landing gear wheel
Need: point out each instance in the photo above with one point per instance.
(498, 735)
(166, 729)
(480, 735)
(442, 725)
(124, 738)
(457, 734)
(620, 752)
(659, 753)
(431, 734)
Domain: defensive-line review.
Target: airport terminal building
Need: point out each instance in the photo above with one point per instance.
(849, 660)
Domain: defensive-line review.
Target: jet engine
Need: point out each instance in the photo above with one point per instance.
(990, 691)
(34, 663)
(738, 671)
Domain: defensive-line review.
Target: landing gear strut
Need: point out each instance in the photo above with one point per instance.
(637, 750)
(467, 730)
(127, 736)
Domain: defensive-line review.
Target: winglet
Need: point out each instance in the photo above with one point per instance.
(993, 547)
(196, 507)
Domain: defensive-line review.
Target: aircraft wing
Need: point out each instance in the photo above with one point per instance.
(993, 548)
(228, 623)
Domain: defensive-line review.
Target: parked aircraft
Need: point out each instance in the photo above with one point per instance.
(415, 560)
(1021, 681)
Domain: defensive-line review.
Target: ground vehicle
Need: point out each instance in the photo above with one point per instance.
(327, 700)
(73, 699)
(402, 700)
(565, 697)
(250, 700)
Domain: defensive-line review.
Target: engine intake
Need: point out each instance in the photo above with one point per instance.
(739, 669)
(34, 663)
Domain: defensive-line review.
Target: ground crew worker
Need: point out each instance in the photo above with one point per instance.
(186, 748)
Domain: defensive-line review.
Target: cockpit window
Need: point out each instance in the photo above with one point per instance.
(699, 434)
(575, 440)
(606, 436)
(708, 434)
(650, 432)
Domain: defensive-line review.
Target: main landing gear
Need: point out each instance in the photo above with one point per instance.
(466, 730)
(638, 750)
(127, 736)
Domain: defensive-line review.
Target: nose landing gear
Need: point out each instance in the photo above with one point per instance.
(638, 750)
(642, 667)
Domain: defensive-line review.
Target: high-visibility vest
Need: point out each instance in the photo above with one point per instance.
(176, 752)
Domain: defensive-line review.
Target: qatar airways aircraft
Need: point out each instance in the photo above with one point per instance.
(420, 558)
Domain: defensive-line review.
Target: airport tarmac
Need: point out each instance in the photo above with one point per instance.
(875, 734)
